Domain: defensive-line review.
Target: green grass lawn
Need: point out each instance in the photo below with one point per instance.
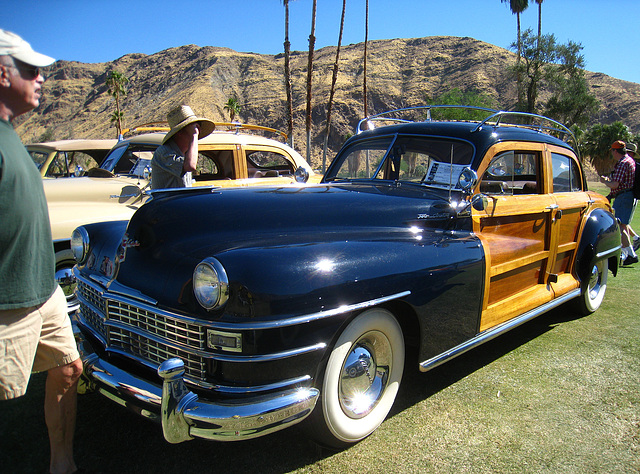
(559, 394)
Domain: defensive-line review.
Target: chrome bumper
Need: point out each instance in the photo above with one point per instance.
(182, 414)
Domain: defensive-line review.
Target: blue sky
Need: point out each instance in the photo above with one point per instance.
(99, 31)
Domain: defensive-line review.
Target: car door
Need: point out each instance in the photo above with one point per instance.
(572, 201)
(266, 166)
(217, 165)
(516, 229)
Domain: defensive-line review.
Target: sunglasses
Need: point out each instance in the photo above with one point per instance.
(28, 72)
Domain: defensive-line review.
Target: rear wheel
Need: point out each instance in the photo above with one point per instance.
(593, 291)
(361, 380)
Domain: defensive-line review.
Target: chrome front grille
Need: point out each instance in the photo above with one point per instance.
(162, 326)
(141, 333)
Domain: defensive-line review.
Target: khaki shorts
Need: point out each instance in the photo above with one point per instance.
(34, 339)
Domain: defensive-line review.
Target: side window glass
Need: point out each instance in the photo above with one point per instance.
(38, 158)
(113, 158)
(267, 164)
(80, 161)
(214, 164)
(135, 158)
(512, 172)
(566, 174)
(58, 166)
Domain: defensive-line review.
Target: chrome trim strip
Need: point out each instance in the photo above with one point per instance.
(241, 390)
(608, 253)
(215, 355)
(494, 332)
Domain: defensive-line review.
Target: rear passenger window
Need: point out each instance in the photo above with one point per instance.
(566, 174)
(267, 164)
(512, 173)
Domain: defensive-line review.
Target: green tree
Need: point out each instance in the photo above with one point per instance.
(517, 7)
(287, 72)
(334, 79)
(116, 82)
(312, 44)
(458, 97)
(572, 102)
(233, 107)
(597, 144)
(536, 55)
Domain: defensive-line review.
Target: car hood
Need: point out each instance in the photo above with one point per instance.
(170, 234)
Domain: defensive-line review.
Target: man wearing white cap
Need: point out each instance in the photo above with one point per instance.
(35, 330)
(177, 157)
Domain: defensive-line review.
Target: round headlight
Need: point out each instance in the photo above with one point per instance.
(80, 244)
(210, 284)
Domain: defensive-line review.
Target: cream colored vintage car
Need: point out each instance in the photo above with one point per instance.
(69, 158)
(232, 156)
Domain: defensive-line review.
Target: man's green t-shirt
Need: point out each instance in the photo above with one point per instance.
(27, 260)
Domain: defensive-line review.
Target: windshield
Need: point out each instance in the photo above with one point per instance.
(433, 161)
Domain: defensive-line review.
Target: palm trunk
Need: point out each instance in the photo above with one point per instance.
(287, 74)
(519, 74)
(334, 79)
(312, 43)
(364, 72)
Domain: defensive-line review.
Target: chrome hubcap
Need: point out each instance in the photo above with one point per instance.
(595, 282)
(365, 374)
(67, 282)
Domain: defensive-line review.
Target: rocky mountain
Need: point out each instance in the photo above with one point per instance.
(400, 73)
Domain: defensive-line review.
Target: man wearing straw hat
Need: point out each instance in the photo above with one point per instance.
(177, 157)
(35, 330)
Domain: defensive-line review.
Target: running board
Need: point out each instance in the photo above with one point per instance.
(495, 332)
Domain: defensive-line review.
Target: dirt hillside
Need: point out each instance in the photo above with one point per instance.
(400, 73)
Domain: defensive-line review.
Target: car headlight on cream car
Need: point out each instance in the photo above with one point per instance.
(210, 284)
(80, 244)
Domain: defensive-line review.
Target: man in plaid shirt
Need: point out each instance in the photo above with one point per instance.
(621, 184)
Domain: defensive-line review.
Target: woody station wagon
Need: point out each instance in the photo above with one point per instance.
(228, 314)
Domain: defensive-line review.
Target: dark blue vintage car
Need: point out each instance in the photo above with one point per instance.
(231, 313)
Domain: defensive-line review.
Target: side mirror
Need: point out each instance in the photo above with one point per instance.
(479, 202)
(301, 175)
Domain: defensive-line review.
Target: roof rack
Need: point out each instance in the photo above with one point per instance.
(494, 118)
(555, 127)
(237, 126)
(369, 122)
(229, 126)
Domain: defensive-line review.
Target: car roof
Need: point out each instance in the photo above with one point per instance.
(75, 145)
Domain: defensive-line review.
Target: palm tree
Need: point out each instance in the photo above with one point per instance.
(334, 79)
(517, 7)
(233, 107)
(312, 43)
(366, 42)
(116, 83)
(539, 2)
(287, 72)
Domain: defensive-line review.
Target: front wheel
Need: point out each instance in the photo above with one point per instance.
(593, 291)
(65, 278)
(361, 380)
